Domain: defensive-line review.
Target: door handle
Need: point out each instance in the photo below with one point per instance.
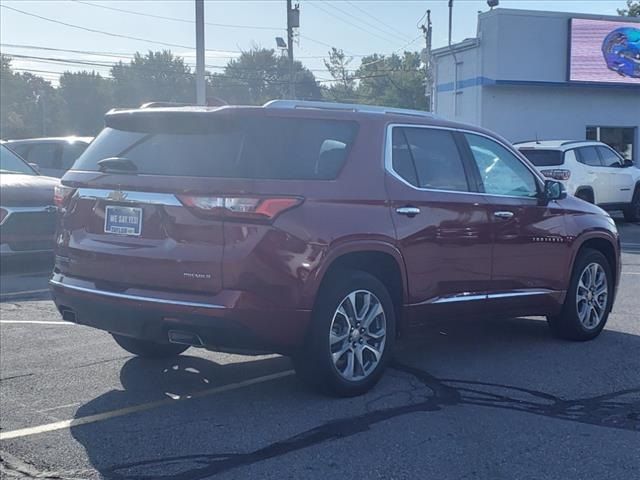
(505, 215)
(408, 211)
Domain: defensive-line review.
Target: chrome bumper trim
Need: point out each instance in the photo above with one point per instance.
(138, 298)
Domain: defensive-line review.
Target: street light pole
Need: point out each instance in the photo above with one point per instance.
(201, 96)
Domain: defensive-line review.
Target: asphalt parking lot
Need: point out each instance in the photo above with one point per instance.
(500, 399)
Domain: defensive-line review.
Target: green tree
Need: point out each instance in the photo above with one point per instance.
(87, 96)
(632, 10)
(394, 81)
(156, 76)
(29, 105)
(259, 75)
(344, 87)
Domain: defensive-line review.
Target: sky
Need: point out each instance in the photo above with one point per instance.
(359, 27)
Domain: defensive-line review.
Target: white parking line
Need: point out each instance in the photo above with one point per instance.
(36, 322)
(50, 427)
(631, 273)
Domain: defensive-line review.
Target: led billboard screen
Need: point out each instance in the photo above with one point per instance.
(604, 51)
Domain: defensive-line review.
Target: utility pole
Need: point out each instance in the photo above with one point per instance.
(455, 63)
(201, 95)
(293, 21)
(427, 29)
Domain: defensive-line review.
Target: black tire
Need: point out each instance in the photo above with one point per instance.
(567, 324)
(314, 364)
(147, 349)
(632, 212)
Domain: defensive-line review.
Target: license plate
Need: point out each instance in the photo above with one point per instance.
(122, 220)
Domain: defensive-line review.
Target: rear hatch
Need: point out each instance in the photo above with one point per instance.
(148, 202)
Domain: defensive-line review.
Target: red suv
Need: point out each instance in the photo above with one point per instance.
(319, 231)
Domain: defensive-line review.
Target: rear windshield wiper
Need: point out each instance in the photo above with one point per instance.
(117, 164)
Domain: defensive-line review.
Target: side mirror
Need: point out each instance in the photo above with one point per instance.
(627, 163)
(554, 190)
(35, 166)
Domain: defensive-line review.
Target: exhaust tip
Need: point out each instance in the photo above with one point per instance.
(185, 338)
(68, 315)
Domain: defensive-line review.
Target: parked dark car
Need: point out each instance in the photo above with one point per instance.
(319, 231)
(54, 155)
(27, 211)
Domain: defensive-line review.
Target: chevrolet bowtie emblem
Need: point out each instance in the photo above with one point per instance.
(117, 196)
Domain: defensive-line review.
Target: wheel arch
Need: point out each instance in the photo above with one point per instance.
(380, 259)
(589, 190)
(605, 245)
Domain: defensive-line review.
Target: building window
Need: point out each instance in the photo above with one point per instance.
(621, 139)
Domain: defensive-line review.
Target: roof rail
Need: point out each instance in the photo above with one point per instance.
(351, 107)
(574, 141)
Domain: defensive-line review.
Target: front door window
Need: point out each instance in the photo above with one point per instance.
(501, 172)
(621, 139)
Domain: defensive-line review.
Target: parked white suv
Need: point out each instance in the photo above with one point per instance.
(590, 170)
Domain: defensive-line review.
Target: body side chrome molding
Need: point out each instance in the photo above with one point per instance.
(469, 297)
(128, 196)
(138, 298)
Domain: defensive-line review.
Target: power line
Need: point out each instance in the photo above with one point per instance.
(329, 12)
(383, 57)
(388, 26)
(365, 22)
(184, 20)
(111, 34)
(175, 19)
(378, 74)
(107, 64)
(116, 54)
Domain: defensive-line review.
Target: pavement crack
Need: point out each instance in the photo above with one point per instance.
(17, 376)
(13, 467)
(616, 410)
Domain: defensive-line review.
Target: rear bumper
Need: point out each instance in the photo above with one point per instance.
(228, 321)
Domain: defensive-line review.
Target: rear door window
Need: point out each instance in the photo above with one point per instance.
(502, 172)
(428, 158)
(260, 148)
(589, 156)
(543, 158)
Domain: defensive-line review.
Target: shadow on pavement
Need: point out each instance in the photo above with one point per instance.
(469, 353)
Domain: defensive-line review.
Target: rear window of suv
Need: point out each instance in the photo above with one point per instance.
(543, 158)
(256, 148)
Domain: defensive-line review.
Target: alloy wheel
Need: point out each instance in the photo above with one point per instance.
(357, 335)
(592, 295)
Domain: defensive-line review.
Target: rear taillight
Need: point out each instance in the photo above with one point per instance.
(61, 195)
(247, 208)
(3, 215)
(557, 174)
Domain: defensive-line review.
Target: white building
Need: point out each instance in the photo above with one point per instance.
(531, 74)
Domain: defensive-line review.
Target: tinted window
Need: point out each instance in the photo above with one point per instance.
(20, 149)
(609, 158)
(501, 172)
(71, 152)
(11, 163)
(429, 158)
(543, 158)
(589, 156)
(275, 148)
(401, 158)
(46, 155)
